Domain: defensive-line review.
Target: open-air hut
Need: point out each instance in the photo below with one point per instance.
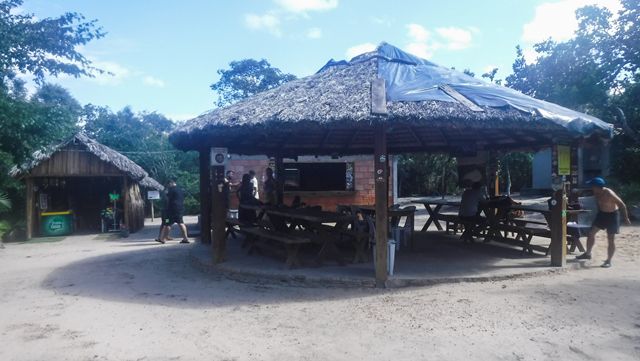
(382, 102)
(76, 177)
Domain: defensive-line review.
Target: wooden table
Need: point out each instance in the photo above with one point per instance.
(321, 233)
(433, 207)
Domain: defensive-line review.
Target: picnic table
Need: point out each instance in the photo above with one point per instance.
(324, 227)
(433, 207)
(319, 227)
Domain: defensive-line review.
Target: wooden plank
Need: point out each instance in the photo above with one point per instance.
(205, 196)
(460, 98)
(381, 180)
(378, 97)
(279, 179)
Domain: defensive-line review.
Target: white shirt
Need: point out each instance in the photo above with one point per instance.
(254, 182)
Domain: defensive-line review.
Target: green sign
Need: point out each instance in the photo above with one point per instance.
(114, 196)
(58, 225)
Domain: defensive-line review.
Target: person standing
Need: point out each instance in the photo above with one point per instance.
(270, 186)
(175, 210)
(609, 208)
(254, 182)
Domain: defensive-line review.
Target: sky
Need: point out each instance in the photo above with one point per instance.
(164, 55)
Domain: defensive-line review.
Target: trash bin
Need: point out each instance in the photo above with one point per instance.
(391, 256)
(56, 223)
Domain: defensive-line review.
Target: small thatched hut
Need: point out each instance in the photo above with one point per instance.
(76, 177)
(382, 102)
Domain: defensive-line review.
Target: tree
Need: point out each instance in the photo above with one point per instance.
(143, 138)
(245, 78)
(44, 46)
(597, 72)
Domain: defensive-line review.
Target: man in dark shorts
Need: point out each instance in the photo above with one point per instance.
(609, 208)
(175, 209)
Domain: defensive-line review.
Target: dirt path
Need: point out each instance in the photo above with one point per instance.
(112, 299)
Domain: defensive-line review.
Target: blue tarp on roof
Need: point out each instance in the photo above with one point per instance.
(410, 78)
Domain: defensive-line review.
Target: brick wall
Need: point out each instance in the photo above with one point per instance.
(363, 177)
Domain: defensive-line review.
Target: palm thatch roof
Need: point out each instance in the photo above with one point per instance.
(332, 112)
(104, 153)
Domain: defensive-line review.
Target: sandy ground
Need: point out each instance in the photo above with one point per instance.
(99, 298)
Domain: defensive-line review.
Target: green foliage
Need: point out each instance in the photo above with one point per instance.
(597, 71)
(245, 78)
(423, 174)
(5, 205)
(515, 171)
(143, 138)
(44, 46)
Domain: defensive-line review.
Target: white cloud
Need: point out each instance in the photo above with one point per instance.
(418, 33)
(152, 81)
(301, 6)
(314, 33)
(114, 73)
(420, 41)
(421, 50)
(456, 38)
(557, 20)
(359, 49)
(268, 21)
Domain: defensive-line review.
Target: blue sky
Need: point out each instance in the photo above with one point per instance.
(165, 54)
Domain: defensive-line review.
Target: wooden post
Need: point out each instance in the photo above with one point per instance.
(205, 196)
(30, 206)
(126, 204)
(279, 180)
(219, 215)
(381, 178)
(558, 247)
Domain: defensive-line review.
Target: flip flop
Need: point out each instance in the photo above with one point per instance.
(159, 240)
(184, 241)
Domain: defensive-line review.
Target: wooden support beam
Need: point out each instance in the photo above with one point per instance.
(558, 225)
(326, 136)
(219, 215)
(205, 196)
(381, 179)
(30, 207)
(279, 180)
(416, 137)
(126, 203)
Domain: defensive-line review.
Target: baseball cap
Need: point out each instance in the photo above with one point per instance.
(597, 181)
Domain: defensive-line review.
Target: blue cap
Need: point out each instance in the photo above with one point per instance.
(597, 181)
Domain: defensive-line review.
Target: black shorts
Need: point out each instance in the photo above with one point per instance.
(170, 219)
(607, 220)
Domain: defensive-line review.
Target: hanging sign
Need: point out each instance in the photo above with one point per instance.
(564, 160)
(153, 195)
(219, 156)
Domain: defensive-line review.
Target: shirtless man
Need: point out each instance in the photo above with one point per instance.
(608, 218)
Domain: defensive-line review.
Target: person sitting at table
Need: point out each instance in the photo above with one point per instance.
(469, 212)
(297, 202)
(246, 196)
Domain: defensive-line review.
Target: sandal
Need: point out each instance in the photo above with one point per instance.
(159, 240)
(184, 241)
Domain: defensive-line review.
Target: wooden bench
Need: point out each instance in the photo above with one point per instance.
(291, 241)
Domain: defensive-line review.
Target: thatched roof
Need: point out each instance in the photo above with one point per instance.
(104, 153)
(150, 183)
(330, 112)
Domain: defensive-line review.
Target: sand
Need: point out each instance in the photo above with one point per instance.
(101, 298)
